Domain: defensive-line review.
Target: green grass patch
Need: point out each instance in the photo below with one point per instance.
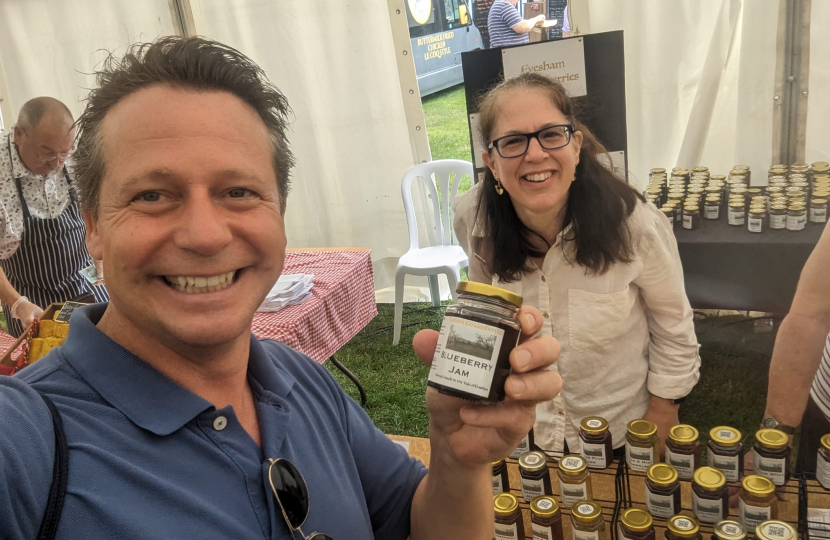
(447, 127)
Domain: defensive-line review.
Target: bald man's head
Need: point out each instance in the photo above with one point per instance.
(44, 134)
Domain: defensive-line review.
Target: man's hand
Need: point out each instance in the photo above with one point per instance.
(476, 435)
(25, 311)
(663, 413)
(539, 20)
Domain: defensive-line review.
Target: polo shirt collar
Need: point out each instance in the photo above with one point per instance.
(148, 398)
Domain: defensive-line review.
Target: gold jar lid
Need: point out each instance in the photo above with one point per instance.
(778, 166)
(774, 189)
(713, 198)
(821, 194)
(658, 170)
(642, 428)
(775, 530)
(741, 167)
(668, 210)
(488, 290)
(533, 461)
(505, 504)
(671, 203)
(594, 425)
(797, 200)
(585, 511)
(572, 464)
(820, 165)
(544, 506)
(758, 486)
(725, 435)
(757, 210)
(662, 474)
(736, 204)
(683, 526)
(753, 190)
(655, 189)
(695, 190)
(738, 189)
(700, 169)
(709, 478)
(679, 171)
(683, 434)
(759, 199)
(771, 438)
(730, 530)
(636, 520)
(825, 441)
(498, 463)
(718, 177)
(691, 209)
(778, 207)
(818, 202)
(797, 207)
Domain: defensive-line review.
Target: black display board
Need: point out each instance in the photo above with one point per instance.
(556, 10)
(602, 109)
(481, 10)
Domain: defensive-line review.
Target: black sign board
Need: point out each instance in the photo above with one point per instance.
(66, 311)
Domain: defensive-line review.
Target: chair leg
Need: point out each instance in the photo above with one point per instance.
(453, 278)
(352, 377)
(400, 280)
(434, 290)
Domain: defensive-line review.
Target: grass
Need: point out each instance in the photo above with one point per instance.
(447, 127)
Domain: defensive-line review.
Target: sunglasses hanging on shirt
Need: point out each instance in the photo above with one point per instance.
(291, 493)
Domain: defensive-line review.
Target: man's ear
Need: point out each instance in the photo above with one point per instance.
(93, 236)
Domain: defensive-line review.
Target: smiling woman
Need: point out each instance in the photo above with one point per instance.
(550, 222)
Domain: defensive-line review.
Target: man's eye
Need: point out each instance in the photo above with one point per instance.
(238, 193)
(149, 196)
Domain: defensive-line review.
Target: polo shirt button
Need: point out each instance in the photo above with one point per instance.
(220, 423)
(543, 277)
(546, 315)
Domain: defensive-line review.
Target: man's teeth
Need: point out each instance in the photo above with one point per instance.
(541, 177)
(200, 284)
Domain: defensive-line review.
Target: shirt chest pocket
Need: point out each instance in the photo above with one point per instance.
(595, 319)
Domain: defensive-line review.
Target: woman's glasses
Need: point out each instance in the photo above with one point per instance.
(291, 493)
(550, 138)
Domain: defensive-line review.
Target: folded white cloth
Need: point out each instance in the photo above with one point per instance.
(289, 290)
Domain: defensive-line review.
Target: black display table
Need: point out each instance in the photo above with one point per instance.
(728, 267)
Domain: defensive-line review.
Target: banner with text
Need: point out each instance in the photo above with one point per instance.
(562, 60)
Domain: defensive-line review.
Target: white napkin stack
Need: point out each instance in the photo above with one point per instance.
(289, 290)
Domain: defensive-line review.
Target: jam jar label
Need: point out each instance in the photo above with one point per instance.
(687, 222)
(730, 528)
(594, 455)
(818, 215)
(752, 516)
(466, 355)
(707, 510)
(660, 505)
(683, 463)
(584, 535)
(728, 465)
(755, 224)
(523, 448)
(774, 530)
(777, 221)
(532, 489)
(506, 532)
(773, 468)
(497, 487)
(572, 493)
(736, 217)
(638, 458)
(683, 524)
(711, 212)
(541, 532)
(823, 472)
(794, 223)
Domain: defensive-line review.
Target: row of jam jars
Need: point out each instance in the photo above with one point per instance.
(545, 518)
(635, 524)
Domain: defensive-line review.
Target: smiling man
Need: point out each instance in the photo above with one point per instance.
(178, 423)
(42, 249)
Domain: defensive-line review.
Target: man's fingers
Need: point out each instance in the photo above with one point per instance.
(514, 417)
(543, 385)
(531, 320)
(424, 344)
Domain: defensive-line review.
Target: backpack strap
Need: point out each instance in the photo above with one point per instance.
(60, 472)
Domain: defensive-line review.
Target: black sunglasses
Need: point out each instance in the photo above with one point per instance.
(549, 138)
(291, 493)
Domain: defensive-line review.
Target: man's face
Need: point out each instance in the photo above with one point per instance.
(189, 224)
(45, 147)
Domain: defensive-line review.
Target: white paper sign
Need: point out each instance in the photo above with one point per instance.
(563, 61)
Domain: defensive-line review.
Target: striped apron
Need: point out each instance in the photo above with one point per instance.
(46, 266)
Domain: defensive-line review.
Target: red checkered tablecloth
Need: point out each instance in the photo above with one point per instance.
(342, 302)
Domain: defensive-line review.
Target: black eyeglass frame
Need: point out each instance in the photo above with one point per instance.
(569, 131)
(300, 480)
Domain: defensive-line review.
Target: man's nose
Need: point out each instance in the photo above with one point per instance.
(203, 228)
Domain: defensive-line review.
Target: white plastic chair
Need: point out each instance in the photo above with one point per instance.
(443, 257)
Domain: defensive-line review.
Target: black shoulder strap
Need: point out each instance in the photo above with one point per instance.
(60, 471)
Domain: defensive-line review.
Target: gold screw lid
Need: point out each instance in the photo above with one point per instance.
(730, 530)
(825, 441)
(658, 170)
(642, 429)
(488, 290)
(544, 506)
(683, 526)
(758, 486)
(700, 169)
(594, 425)
(572, 464)
(709, 478)
(505, 504)
(636, 520)
(818, 202)
(725, 435)
(820, 165)
(771, 438)
(498, 463)
(757, 210)
(778, 207)
(533, 461)
(683, 434)
(774, 530)
(796, 207)
(586, 511)
(736, 204)
(667, 210)
(662, 474)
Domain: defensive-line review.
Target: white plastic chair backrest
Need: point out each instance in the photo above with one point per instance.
(435, 172)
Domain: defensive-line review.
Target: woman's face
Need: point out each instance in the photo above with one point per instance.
(539, 180)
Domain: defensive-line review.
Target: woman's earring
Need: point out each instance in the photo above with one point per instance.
(499, 188)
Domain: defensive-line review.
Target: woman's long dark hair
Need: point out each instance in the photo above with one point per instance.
(599, 203)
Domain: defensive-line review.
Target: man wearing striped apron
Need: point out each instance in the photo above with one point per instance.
(42, 234)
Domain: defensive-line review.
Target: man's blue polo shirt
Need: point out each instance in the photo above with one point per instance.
(149, 459)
